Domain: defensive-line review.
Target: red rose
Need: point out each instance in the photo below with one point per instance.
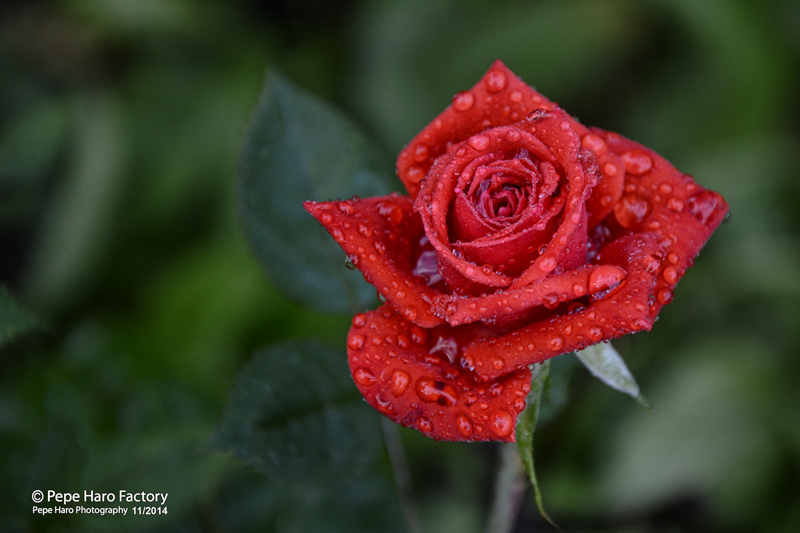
(524, 235)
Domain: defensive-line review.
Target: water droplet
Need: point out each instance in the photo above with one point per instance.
(675, 205)
(665, 187)
(637, 162)
(479, 142)
(547, 263)
(651, 264)
(513, 135)
(383, 405)
(433, 391)
(364, 377)
(703, 204)
(463, 100)
(424, 425)
(337, 235)
(464, 425)
(350, 262)
(398, 382)
(326, 218)
(595, 333)
(355, 342)
(664, 296)
(610, 169)
(495, 390)
(415, 174)
(495, 81)
(556, 342)
(631, 210)
(420, 153)
(502, 423)
(410, 313)
(594, 142)
(604, 277)
(578, 290)
(673, 258)
(391, 212)
(498, 363)
(670, 275)
(468, 362)
(376, 341)
(419, 336)
(360, 320)
(550, 300)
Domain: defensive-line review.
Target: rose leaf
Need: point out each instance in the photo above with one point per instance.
(294, 415)
(298, 148)
(526, 424)
(14, 321)
(605, 363)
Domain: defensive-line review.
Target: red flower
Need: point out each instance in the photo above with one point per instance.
(524, 235)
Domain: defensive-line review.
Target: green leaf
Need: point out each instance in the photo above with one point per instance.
(14, 320)
(526, 424)
(295, 415)
(297, 148)
(605, 363)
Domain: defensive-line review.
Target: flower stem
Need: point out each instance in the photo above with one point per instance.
(402, 474)
(509, 488)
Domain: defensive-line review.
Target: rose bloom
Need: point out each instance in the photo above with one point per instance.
(524, 235)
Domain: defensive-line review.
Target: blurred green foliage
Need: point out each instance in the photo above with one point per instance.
(120, 131)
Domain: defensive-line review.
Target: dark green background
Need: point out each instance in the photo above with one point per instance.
(121, 124)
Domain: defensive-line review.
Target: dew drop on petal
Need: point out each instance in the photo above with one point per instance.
(360, 320)
(547, 263)
(419, 336)
(502, 423)
(415, 174)
(364, 377)
(495, 81)
(432, 391)
(498, 363)
(664, 296)
(702, 205)
(355, 342)
(637, 162)
(631, 210)
(595, 143)
(595, 333)
(463, 100)
(479, 142)
(578, 289)
(420, 153)
(670, 275)
(424, 425)
(556, 342)
(604, 277)
(398, 382)
(675, 205)
(410, 313)
(464, 425)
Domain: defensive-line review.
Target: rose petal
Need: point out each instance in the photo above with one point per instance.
(550, 291)
(503, 102)
(406, 373)
(674, 206)
(567, 246)
(379, 237)
(625, 309)
(608, 190)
